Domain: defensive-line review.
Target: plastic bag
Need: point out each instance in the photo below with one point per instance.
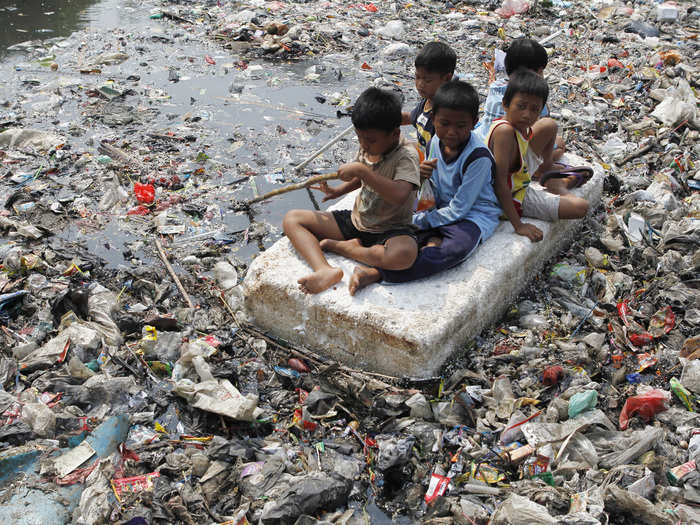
(512, 7)
(582, 401)
(426, 197)
(145, 193)
(645, 406)
(552, 375)
(513, 430)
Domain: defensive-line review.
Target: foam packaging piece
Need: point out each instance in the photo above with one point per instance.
(408, 329)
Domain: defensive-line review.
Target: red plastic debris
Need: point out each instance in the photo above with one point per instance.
(209, 60)
(138, 210)
(623, 310)
(641, 339)
(145, 193)
(78, 475)
(436, 488)
(366, 7)
(662, 322)
(552, 375)
(303, 394)
(645, 406)
(299, 421)
(615, 63)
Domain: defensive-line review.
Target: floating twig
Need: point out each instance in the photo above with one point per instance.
(168, 267)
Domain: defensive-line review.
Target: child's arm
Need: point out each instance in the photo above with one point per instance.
(337, 191)
(477, 174)
(393, 191)
(504, 147)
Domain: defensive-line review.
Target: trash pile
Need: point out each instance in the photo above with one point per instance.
(135, 391)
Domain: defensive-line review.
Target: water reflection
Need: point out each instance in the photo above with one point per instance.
(22, 20)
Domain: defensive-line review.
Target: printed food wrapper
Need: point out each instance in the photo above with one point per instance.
(133, 484)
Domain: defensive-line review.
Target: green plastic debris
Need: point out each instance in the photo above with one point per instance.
(682, 393)
(581, 402)
(547, 477)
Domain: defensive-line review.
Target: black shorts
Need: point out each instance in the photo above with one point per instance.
(347, 228)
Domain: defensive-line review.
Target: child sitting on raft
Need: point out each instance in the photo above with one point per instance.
(518, 154)
(378, 231)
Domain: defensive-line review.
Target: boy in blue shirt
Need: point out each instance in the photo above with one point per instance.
(435, 64)
(529, 54)
(461, 171)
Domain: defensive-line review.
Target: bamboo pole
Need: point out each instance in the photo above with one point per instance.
(298, 186)
(172, 273)
(324, 148)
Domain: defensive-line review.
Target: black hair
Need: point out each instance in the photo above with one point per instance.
(437, 57)
(527, 53)
(377, 109)
(457, 95)
(528, 82)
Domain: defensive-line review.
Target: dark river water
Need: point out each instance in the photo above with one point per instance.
(275, 97)
(22, 20)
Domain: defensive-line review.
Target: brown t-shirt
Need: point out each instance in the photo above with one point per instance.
(371, 212)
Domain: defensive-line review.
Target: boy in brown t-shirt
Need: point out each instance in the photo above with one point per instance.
(378, 231)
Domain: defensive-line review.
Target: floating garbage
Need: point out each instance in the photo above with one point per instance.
(135, 165)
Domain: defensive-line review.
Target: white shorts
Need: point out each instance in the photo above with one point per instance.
(540, 204)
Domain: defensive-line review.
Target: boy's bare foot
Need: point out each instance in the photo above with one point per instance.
(433, 242)
(363, 276)
(340, 247)
(320, 280)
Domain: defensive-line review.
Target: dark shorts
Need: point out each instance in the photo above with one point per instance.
(347, 228)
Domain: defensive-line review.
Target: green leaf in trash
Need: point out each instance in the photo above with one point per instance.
(201, 157)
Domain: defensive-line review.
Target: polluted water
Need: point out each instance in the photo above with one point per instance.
(135, 138)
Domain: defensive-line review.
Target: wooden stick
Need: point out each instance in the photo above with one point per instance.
(637, 153)
(550, 37)
(297, 186)
(324, 148)
(172, 273)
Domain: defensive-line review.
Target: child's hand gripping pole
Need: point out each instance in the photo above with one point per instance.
(292, 187)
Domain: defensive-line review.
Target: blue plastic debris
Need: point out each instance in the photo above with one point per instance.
(55, 504)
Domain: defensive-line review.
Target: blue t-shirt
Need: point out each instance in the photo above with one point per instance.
(463, 189)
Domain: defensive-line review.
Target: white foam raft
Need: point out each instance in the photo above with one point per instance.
(407, 329)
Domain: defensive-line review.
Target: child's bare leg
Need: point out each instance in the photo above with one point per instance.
(397, 253)
(557, 186)
(363, 276)
(304, 228)
(544, 133)
(561, 186)
(572, 207)
(560, 150)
